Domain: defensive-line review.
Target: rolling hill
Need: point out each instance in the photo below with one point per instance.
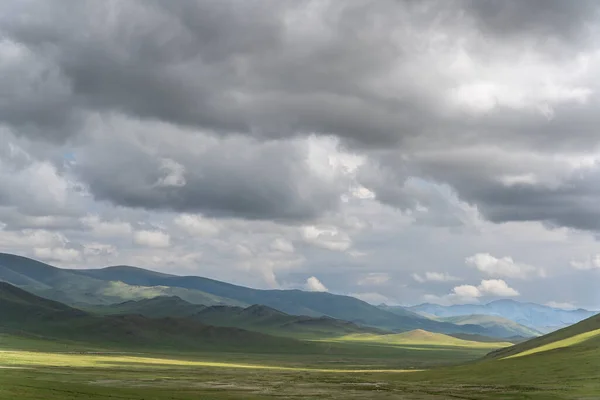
(24, 313)
(421, 337)
(117, 284)
(500, 326)
(538, 317)
(68, 286)
(257, 318)
(581, 335)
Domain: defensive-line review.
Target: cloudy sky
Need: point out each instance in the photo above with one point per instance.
(397, 151)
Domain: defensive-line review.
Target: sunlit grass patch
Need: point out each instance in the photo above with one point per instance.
(14, 359)
(571, 341)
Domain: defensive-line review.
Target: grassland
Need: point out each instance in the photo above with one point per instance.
(40, 369)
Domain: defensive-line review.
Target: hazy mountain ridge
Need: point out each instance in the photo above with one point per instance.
(257, 318)
(74, 288)
(539, 317)
(25, 313)
(88, 288)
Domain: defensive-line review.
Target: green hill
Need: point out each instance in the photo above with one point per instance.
(487, 339)
(498, 326)
(265, 319)
(121, 283)
(294, 302)
(584, 334)
(24, 313)
(421, 337)
(257, 318)
(71, 287)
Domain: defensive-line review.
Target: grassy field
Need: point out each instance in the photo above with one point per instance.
(37, 369)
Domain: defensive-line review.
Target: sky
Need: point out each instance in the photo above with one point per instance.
(397, 151)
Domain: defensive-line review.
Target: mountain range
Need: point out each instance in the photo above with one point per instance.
(131, 290)
(26, 314)
(540, 318)
(258, 318)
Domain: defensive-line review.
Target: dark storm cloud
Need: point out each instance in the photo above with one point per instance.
(236, 177)
(281, 69)
(567, 20)
(265, 68)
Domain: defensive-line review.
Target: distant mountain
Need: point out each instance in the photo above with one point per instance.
(500, 326)
(294, 302)
(541, 318)
(117, 284)
(257, 318)
(71, 287)
(24, 313)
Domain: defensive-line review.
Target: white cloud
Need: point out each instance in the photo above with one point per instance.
(315, 285)
(31, 238)
(283, 245)
(57, 254)
(434, 277)
(496, 287)
(98, 249)
(561, 305)
(327, 237)
(103, 228)
(152, 238)
(503, 267)
(471, 294)
(372, 298)
(590, 263)
(373, 279)
(196, 225)
(466, 291)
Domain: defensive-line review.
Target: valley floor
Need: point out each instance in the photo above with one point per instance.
(51, 371)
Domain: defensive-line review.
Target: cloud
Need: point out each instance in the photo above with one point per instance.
(496, 287)
(103, 228)
(374, 279)
(503, 267)
(372, 298)
(315, 285)
(327, 237)
(283, 245)
(59, 254)
(471, 294)
(217, 177)
(196, 225)
(561, 305)
(174, 174)
(152, 238)
(99, 249)
(434, 277)
(590, 263)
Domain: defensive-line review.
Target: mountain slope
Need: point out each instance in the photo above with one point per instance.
(268, 320)
(541, 318)
(71, 287)
(23, 312)
(500, 326)
(257, 318)
(116, 284)
(421, 337)
(584, 334)
(294, 302)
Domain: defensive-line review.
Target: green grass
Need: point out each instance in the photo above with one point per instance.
(420, 337)
(58, 371)
(568, 342)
